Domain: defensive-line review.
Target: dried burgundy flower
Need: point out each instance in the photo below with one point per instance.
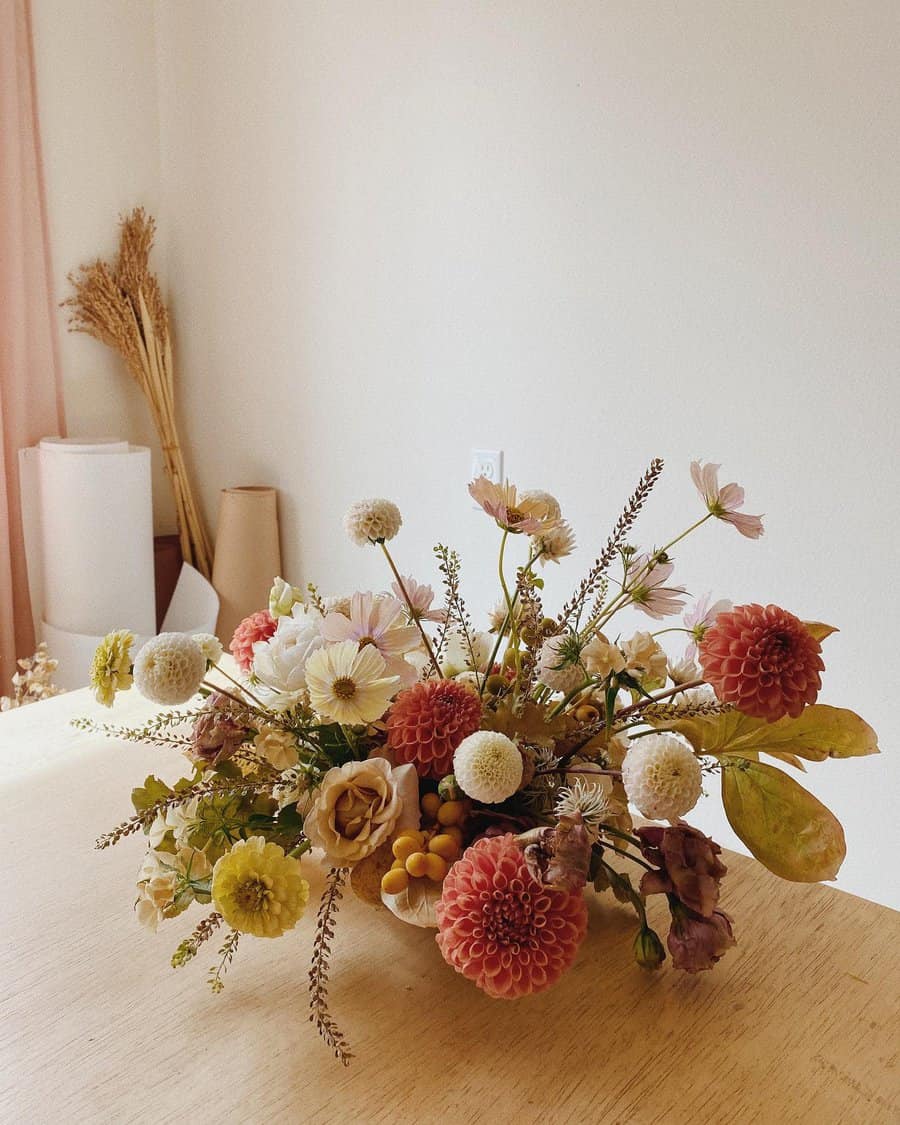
(697, 943)
(217, 733)
(559, 857)
(689, 866)
(762, 659)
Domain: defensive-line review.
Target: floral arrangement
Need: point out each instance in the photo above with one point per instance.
(479, 782)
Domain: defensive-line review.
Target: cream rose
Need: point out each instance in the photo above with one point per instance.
(359, 806)
(645, 660)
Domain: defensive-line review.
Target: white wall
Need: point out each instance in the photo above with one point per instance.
(98, 104)
(584, 233)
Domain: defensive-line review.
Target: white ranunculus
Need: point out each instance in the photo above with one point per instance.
(280, 662)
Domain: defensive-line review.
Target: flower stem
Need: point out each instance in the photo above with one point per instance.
(663, 695)
(238, 684)
(412, 612)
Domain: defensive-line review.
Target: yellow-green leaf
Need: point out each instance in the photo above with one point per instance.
(784, 826)
(820, 732)
(820, 630)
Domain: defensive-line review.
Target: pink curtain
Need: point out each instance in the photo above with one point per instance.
(30, 389)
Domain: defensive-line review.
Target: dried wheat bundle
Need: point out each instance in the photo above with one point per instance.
(119, 303)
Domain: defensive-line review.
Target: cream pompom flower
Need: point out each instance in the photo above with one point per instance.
(372, 521)
(169, 668)
(662, 776)
(258, 889)
(559, 664)
(111, 666)
(488, 766)
(347, 683)
(210, 646)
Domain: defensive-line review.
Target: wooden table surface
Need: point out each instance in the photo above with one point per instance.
(799, 1023)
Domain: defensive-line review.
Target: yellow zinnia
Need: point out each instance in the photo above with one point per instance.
(258, 889)
(111, 666)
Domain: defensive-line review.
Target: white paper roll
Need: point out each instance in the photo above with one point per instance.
(96, 524)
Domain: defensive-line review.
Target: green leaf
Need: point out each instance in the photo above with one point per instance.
(820, 732)
(819, 630)
(784, 826)
(153, 790)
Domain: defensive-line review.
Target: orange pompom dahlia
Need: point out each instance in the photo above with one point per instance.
(762, 659)
(501, 928)
(427, 723)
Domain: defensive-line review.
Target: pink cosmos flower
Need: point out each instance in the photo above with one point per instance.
(420, 596)
(699, 618)
(376, 621)
(723, 502)
(648, 590)
(528, 514)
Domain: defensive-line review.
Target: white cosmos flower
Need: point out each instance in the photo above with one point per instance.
(347, 683)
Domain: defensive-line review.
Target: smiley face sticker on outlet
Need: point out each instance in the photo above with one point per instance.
(487, 463)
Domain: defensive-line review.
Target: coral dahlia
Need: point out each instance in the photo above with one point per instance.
(501, 928)
(257, 627)
(427, 723)
(763, 660)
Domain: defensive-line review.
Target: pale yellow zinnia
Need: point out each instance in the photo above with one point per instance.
(258, 889)
(111, 666)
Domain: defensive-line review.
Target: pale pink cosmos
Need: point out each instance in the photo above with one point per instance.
(723, 502)
(699, 618)
(528, 514)
(376, 621)
(646, 583)
(420, 598)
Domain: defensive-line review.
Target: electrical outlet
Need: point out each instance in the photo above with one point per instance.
(487, 463)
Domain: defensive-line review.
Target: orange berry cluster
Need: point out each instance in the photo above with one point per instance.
(427, 852)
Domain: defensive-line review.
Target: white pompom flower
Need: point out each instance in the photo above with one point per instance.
(210, 646)
(169, 668)
(559, 667)
(488, 766)
(372, 521)
(662, 776)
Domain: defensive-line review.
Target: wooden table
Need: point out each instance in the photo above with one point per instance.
(797, 1024)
